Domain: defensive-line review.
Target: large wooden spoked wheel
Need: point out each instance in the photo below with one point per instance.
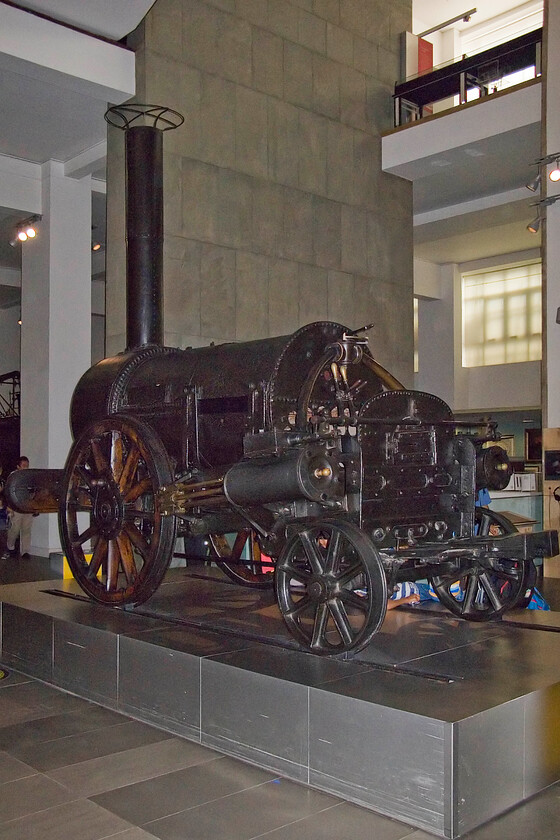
(331, 588)
(112, 476)
(239, 556)
(479, 592)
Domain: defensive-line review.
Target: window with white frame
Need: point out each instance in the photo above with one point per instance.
(502, 317)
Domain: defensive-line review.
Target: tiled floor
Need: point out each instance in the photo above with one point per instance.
(71, 769)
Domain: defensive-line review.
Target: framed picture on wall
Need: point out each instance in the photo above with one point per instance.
(533, 444)
(506, 442)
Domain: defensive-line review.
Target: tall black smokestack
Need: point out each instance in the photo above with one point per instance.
(144, 217)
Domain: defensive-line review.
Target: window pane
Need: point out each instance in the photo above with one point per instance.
(502, 319)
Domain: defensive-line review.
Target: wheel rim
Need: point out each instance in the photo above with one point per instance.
(111, 480)
(242, 560)
(331, 588)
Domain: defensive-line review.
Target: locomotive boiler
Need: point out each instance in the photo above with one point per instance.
(302, 462)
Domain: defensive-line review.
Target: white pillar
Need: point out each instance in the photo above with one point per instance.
(56, 327)
(551, 231)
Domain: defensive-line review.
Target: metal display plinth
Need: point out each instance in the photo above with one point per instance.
(440, 723)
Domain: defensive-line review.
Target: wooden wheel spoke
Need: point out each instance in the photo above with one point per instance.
(98, 558)
(85, 477)
(137, 490)
(131, 513)
(86, 535)
(117, 454)
(239, 545)
(112, 566)
(129, 470)
(137, 539)
(127, 557)
(341, 620)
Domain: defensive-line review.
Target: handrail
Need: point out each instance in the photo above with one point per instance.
(475, 71)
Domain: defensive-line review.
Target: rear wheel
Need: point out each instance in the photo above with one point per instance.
(239, 555)
(110, 501)
(482, 592)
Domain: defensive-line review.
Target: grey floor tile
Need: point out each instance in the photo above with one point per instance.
(133, 834)
(53, 726)
(345, 822)
(85, 746)
(244, 815)
(536, 819)
(79, 820)
(13, 713)
(165, 795)
(12, 769)
(131, 766)
(36, 694)
(29, 795)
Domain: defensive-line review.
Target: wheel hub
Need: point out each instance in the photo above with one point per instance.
(319, 589)
(108, 510)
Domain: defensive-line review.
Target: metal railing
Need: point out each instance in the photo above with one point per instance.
(10, 394)
(481, 72)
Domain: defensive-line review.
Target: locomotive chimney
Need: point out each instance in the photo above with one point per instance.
(144, 126)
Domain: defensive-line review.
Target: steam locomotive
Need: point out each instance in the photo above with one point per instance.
(301, 460)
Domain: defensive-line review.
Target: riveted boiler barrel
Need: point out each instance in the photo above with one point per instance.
(202, 401)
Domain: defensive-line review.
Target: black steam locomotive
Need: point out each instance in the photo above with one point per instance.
(301, 460)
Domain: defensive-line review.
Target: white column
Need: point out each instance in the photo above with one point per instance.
(551, 231)
(56, 327)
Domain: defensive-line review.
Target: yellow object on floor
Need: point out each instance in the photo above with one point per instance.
(66, 573)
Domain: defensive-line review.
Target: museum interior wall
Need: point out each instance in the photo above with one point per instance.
(277, 212)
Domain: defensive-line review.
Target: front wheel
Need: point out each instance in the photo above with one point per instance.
(331, 588)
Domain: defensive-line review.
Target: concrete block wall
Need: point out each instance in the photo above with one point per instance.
(276, 209)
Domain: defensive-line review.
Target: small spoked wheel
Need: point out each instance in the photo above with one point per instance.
(110, 503)
(490, 523)
(482, 592)
(331, 588)
(239, 555)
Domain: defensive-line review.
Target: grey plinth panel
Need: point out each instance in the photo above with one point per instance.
(440, 724)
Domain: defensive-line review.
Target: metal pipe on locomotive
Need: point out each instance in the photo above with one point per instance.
(302, 447)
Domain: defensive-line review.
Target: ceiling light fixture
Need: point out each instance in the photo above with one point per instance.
(533, 227)
(535, 183)
(25, 230)
(554, 174)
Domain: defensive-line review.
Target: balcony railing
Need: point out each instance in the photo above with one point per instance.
(481, 72)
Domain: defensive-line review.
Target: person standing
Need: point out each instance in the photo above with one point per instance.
(4, 521)
(20, 525)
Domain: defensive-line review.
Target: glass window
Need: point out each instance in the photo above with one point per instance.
(502, 318)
